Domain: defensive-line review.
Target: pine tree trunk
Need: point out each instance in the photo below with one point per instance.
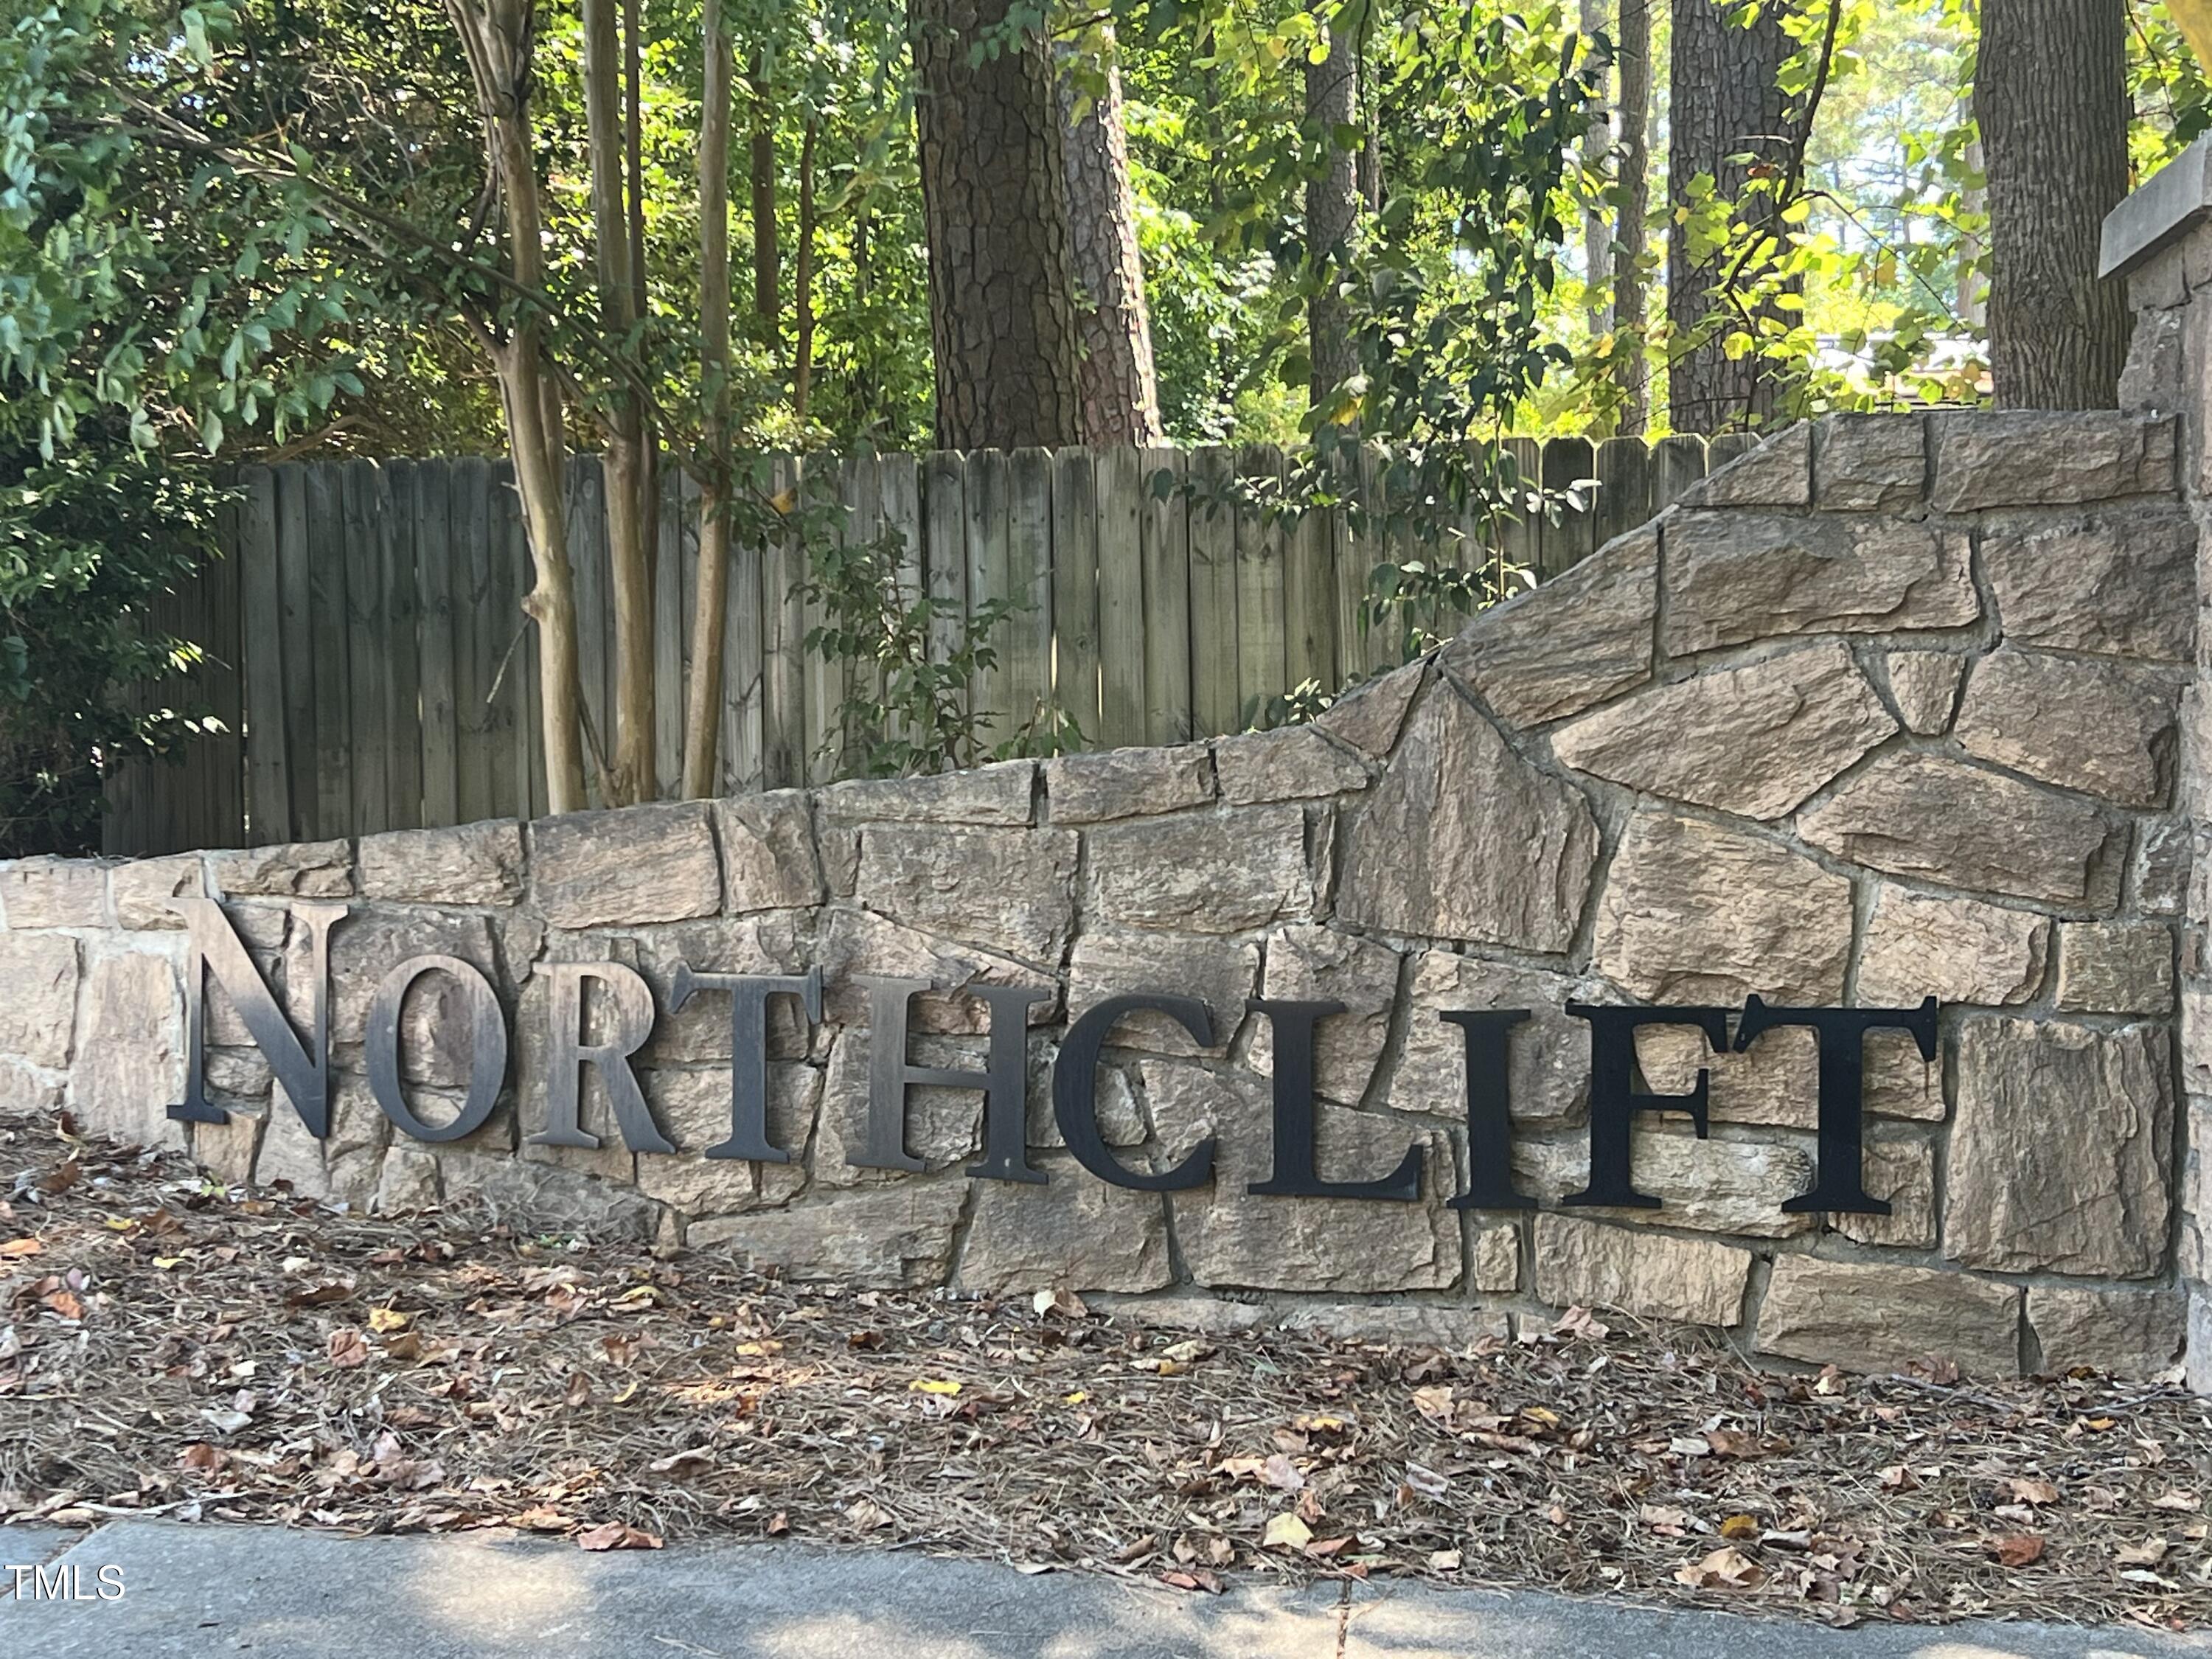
(1332, 207)
(802, 281)
(995, 201)
(2050, 95)
(768, 248)
(1725, 103)
(1116, 383)
(1632, 240)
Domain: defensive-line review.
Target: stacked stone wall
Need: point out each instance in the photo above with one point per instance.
(1887, 709)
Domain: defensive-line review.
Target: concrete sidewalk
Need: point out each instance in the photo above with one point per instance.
(278, 1594)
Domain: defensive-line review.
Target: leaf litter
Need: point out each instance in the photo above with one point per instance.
(170, 1347)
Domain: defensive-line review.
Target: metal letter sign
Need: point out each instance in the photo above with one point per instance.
(609, 1027)
(629, 1005)
(303, 1079)
(487, 1046)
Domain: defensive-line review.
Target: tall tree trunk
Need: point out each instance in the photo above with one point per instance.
(995, 201)
(702, 710)
(1725, 103)
(768, 248)
(802, 279)
(1598, 162)
(2051, 98)
(648, 488)
(1331, 206)
(1631, 240)
(498, 37)
(1118, 387)
(626, 772)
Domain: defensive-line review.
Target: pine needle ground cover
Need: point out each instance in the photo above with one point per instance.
(170, 1347)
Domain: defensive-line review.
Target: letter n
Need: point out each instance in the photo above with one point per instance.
(302, 1074)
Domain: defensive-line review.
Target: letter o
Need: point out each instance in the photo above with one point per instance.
(487, 1046)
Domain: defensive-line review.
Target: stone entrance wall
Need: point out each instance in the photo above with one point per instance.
(1887, 709)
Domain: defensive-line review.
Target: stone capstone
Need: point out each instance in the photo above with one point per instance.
(38, 1009)
(1295, 763)
(768, 853)
(1226, 871)
(1928, 816)
(1127, 783)
(1880, 1317)
(1650, 1275)
(1755, 740)
(2116, 968)
(999, 794)
(1463, 839)
(50, 892)
(1777, 473)
(145, 891)
(2060, 1155)
(1370, 716)
(2120, 583)
(469, 864)
(1925, 685)
(1570, 643)
(2133, 1333)
(1011, 891)
(2039, 458)
(2102, 729)
(1735, 577)
(311, 870)
(636, 864)
(1230, 1237)
(1955, 950)
(1869, 463)
(1699, 913)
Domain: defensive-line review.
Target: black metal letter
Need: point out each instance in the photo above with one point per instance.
(748, 995)
(1840, 1177)
(1295, 1175)
(1005, 1081)
(303, 1079)
(487, 1046)
(1075, 1091)
(1615, 1100)
(628, 1002)
(1489, 1109)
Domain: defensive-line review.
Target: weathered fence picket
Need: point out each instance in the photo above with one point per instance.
(371, 663)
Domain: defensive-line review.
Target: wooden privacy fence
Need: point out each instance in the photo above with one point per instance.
(373, 668)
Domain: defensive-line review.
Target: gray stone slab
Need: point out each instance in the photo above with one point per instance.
(280, 1595)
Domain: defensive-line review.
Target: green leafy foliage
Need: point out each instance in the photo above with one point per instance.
(89, 540)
